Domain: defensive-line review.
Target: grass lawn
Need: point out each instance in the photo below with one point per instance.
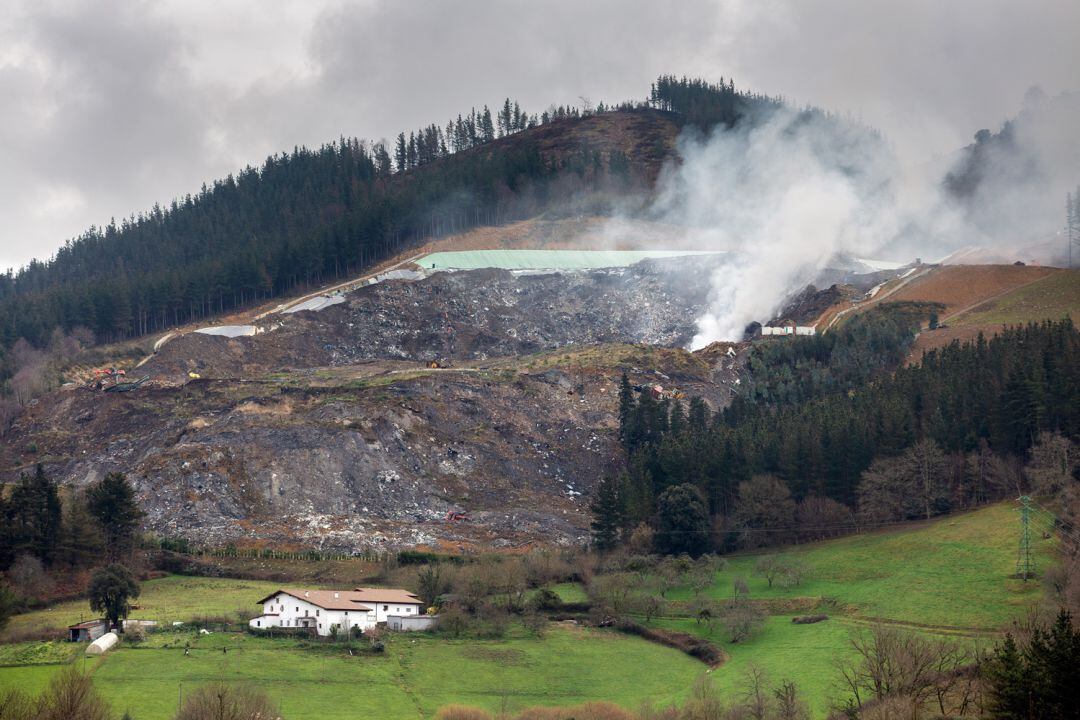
(949, 576)
(416, 675)
(176, 597)
(803, 654)
(952, 572)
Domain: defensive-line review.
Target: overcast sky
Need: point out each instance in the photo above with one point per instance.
(109, 106)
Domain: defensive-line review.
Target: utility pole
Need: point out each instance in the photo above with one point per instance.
(1025, 565)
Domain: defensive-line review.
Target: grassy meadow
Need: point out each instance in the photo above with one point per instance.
(1051, 298)
(950, 576)
(414, 676)
(951, 573)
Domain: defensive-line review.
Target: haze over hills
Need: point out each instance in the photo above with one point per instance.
(706, 377)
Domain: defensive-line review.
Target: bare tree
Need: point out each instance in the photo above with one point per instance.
(71, 696)
(756, 699)
(789, 706)
(219, 701)
(1052, 464)
(29, 579)
(890, 663)
(819, 518)
(769, 567)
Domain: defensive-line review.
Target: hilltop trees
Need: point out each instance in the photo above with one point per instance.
(315, 214)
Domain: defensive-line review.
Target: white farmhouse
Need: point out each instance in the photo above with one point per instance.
(322, 610)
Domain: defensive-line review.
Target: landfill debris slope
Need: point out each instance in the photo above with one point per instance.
(466, 315)
(330, 429)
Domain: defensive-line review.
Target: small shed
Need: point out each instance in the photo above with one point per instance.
(408, 623)
(88, 631)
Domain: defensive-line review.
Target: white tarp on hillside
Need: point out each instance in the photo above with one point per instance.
(315, 304)
(230, 331)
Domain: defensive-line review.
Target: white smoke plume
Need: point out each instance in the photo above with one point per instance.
(784, 196)
(793, 191)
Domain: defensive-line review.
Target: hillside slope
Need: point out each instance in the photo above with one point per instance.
(329, 428)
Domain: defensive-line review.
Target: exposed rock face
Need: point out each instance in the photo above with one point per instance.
(358, 444)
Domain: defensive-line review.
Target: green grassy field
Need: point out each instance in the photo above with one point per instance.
(948, 576)
(175, 597)
(953, 572)
(414, 677)
(1053, 297)
(803, 654)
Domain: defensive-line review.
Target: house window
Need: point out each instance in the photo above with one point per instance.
(385, 608)
(258, 623)
(316, 613)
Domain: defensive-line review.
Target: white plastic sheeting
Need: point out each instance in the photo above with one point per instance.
(315, 304)
(103, 644)
(230, 331)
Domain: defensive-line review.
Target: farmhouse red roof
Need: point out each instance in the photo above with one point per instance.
(387, 595)
(325, 599)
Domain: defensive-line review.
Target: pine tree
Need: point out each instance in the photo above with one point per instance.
(112, 502)
(32, 516)
(607, 514)
(401, 153)
(487, 129)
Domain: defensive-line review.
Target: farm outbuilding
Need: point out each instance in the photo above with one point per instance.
(103, 644)
(86, 631)
(409, 623)
(788, 330)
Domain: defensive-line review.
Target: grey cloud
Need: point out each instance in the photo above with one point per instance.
(109, 107)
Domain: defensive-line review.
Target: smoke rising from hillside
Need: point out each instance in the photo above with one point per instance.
(784, 196)
(794, 191)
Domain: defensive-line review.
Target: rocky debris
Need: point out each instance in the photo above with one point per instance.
(328, 429)
(467, 315)
(343, 468)
(806, 306)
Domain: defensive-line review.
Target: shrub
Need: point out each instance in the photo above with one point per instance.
(71, 696)
(809, 619)
(742, 620)
(546, 599)
(535, 622)
(219, 701)
(586, 711)
(454, 621)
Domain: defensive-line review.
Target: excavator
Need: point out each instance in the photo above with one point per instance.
(104, 377)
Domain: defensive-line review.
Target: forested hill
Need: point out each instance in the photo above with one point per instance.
(313, 215)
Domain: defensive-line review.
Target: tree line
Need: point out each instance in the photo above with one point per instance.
(45, 537)
(823, 440)
(310, 216)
